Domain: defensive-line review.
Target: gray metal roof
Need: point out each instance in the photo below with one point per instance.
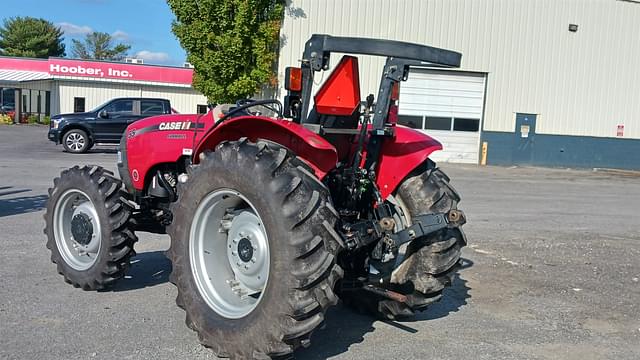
(22, 75)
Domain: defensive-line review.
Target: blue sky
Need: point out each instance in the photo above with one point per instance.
(143, 24)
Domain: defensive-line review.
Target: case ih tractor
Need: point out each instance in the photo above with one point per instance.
(273, 218)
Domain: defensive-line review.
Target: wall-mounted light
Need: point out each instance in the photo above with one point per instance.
(573, 27)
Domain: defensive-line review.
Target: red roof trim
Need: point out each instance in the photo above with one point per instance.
(100, 69)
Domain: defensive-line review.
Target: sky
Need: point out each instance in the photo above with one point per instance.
(143, 24)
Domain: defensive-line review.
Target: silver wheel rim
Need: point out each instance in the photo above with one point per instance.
(229, 253)
(75, 141)
(75, 203)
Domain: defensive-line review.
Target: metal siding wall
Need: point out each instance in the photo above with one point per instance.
(184, 100)
(95, 94)
(583, 83)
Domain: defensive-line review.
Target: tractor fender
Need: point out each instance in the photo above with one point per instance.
(401, 156)
(314, 150)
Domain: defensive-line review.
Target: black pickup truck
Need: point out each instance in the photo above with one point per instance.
(78, 132)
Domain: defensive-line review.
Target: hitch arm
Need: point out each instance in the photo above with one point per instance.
(427, 224)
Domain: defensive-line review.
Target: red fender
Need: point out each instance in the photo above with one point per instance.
(408, 150)
(317, 152)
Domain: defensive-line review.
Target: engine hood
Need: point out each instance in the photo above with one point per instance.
(161, 119)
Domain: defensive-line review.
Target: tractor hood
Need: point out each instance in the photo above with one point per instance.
(166, 122)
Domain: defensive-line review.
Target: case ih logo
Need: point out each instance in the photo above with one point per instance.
(80, 70)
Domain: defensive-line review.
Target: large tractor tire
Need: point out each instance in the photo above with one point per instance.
(430, 262)
(88, 228)
(254, 250)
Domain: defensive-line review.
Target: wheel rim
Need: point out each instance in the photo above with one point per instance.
(76, 228)
(75, 141)
(229, 253)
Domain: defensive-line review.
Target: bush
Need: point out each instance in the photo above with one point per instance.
(33, 119)
(6, 119)
(46, 120)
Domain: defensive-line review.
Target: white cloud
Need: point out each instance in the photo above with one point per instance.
(120, 35)
(73, 29)
(153, 57)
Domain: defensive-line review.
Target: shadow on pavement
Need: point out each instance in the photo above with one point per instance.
(147, 269)
(103, 150)
(344, 327)
(20, 205)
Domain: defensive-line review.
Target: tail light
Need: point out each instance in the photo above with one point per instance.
(293, 79)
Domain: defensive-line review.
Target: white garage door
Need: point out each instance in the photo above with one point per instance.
(448, 106)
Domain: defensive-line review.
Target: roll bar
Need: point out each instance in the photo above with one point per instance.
(400, 55)
(319, 47)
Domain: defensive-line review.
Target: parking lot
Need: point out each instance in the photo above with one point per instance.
(551, 272)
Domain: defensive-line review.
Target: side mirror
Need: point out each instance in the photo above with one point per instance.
(103, 114)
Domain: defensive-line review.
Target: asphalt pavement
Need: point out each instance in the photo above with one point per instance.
(551, 272)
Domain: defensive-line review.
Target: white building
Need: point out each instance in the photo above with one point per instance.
(44, 87)
(543, 82)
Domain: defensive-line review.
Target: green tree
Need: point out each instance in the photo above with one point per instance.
(99, 46)
(30, 37)
(232, 44)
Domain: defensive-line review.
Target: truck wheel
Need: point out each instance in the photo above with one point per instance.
(254, 250)
(76, 141)
(430, 262)
(87, 227)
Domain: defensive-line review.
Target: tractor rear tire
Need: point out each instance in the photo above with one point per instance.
(430, 262)
(88, 227)
(297, 219)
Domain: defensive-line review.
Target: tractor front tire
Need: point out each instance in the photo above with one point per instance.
(280, 210)
(88, 229)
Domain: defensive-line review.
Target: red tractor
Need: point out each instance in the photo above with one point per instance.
(273, 218)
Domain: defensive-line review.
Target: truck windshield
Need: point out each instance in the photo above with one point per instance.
(98, 108)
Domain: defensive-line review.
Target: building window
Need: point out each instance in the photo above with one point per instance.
(25, 101)
(78, 104)
(472, 125)
(410, 121)
(47, 103)
(438, 123)
(202, 109)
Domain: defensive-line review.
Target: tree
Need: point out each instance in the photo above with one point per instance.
(232, 44)
(99, 46)
(30, 37)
